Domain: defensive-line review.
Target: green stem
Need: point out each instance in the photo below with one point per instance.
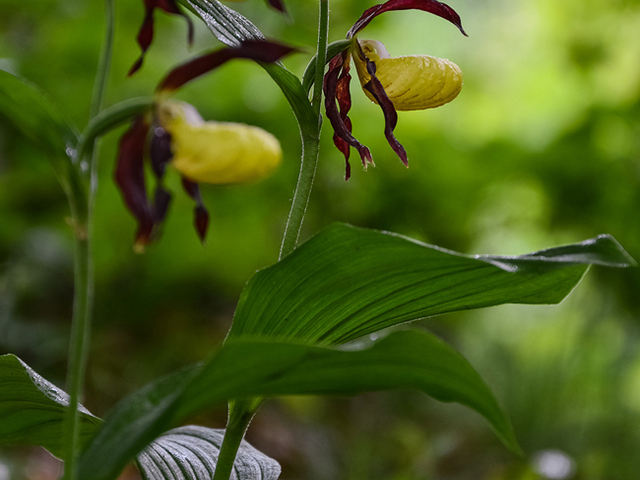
(83, 268)
(80, 331)
(241, 412)
(240, 415)
(310, 144)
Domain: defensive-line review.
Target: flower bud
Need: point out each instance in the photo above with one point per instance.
(217, 152)
(413, 82)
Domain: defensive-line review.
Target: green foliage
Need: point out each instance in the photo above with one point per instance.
(32, 409)
(245, 369)
(24, 105)
(318, 277)
(484, 176)
(33, 114)
(347, 282)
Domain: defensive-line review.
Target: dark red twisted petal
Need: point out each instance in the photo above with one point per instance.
(258, 50)
(432, 6)
(343, 138)
(278, 5)
(161, 202)
(145, 35)
(160, 150)
(201, 216)
(343, 96)
(129, 177)
(376, 89)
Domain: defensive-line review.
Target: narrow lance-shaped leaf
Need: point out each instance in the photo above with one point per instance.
(191, 453)
(28, 109)
(248, 369)
(32, 410)
(347, 282)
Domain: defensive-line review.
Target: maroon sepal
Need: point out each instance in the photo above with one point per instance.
(201, 216)
(160, 150)
(145, 35)
(162, 199)
(129, 176)
(278, 5)
(432, 6)
(258, 50)
(336, 89)
(160, 155)
(376, 89)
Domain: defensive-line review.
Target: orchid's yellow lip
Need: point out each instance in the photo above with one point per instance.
(217, 152)
(414, 82)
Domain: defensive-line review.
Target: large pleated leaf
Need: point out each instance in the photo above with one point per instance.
(191, 453)
(32, 410)
(231, 28)
(347, 282)
(254, 368)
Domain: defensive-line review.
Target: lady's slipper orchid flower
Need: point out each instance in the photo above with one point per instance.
(217, 152)
(175, 134)
(415, 82)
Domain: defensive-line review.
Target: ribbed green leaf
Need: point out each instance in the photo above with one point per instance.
(191, 453)
(347, 282)
(32, 409)
(253, 368)
(231, 28)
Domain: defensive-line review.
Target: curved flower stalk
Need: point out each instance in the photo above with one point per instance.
(415, 82)
(174, 134)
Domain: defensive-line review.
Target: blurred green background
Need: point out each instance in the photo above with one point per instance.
(542, 147)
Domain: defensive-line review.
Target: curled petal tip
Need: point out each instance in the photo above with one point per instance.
(136, 66)
(201, 222)
(431, 6)
(278, 5)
